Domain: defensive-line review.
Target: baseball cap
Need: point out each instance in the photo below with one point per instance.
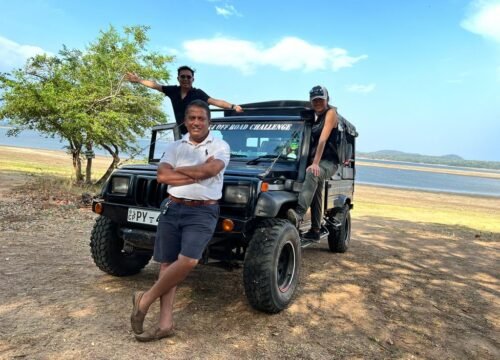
(318, 92)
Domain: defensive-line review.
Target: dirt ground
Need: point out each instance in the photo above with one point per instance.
(404, 290)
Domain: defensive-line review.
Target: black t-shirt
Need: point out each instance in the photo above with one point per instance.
(330, 150)
(179, 104)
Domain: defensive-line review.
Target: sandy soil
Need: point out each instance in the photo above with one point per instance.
(404, 290)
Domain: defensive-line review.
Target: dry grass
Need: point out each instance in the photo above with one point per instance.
(475, 212)
(46, 162)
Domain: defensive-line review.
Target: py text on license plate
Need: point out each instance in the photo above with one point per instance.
(141, 216)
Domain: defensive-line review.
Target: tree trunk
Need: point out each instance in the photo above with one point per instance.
(114, 163)
(88, 169)
(77, 163)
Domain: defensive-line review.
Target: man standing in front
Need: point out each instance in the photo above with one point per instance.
(193, 168)
(183, 94)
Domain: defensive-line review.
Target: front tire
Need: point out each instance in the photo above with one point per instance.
(107, 250)
(272, 265)
(340, 238)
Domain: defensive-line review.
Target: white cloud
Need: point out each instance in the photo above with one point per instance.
(290, 53)
(227, 11)
(13, 55)
(483, 19)
(359, 88)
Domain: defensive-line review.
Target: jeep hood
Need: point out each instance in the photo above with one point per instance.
(242, 169)
(140, 167)
(234, 169)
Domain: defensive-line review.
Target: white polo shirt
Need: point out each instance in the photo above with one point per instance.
(185, 153)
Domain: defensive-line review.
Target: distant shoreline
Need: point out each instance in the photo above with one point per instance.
(46, 142)
(384, 174)
(427, 191)
(48, 151)
(481, 172)
(448, 169)
(360, 158)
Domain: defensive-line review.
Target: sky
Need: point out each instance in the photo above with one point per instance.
(416, 76)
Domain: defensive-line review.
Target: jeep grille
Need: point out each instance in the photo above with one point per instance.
(148, 192)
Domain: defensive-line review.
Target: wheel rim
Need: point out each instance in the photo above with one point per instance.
(286, 267)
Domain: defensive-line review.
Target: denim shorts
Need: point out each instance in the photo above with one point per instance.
(184, 230)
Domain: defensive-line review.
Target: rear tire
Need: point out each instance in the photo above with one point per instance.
(272, 265)
(340, 238)
(107, 250)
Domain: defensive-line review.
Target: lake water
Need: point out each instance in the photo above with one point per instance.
(33, 139)
(412, 179)
(432, 166)
(371, 175)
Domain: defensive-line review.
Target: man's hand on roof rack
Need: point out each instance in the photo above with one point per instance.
(237, 108)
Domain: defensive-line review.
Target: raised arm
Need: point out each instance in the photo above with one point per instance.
(166, 174)
(134, 78)
(224, 105)
(331, 122)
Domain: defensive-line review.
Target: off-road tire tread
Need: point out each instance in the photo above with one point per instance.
(334, 239)
(256, 268)
(104, 233)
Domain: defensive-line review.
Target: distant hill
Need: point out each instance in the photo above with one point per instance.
(451, 160)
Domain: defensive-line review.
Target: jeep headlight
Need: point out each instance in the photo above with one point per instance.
(236, 194)
(119, 185)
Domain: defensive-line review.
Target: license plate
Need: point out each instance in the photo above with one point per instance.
(141, 216)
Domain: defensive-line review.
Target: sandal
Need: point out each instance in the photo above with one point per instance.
(155, 333)
(137, 317)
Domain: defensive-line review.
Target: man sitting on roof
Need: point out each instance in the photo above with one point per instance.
(182, 95)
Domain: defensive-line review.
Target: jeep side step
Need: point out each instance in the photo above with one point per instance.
(322, 236)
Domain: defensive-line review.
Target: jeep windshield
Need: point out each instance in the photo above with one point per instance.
(253, 142)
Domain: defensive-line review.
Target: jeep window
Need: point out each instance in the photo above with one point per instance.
(163, 137)
(249, 141)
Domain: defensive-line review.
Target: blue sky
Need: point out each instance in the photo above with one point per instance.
(416, 76)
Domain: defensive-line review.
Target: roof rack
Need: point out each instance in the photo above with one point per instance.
(270, 108)
(286, 108)
(275, 107)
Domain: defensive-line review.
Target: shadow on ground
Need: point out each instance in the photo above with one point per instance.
(404, 289)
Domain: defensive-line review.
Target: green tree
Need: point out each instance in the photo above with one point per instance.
(82, 98)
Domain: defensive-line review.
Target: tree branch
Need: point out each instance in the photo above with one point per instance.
(37, 75)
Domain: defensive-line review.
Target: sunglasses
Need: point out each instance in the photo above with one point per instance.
(184, 77)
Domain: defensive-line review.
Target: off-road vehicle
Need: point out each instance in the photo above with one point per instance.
(269, 148)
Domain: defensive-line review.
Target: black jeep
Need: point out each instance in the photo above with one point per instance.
(269, 149)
